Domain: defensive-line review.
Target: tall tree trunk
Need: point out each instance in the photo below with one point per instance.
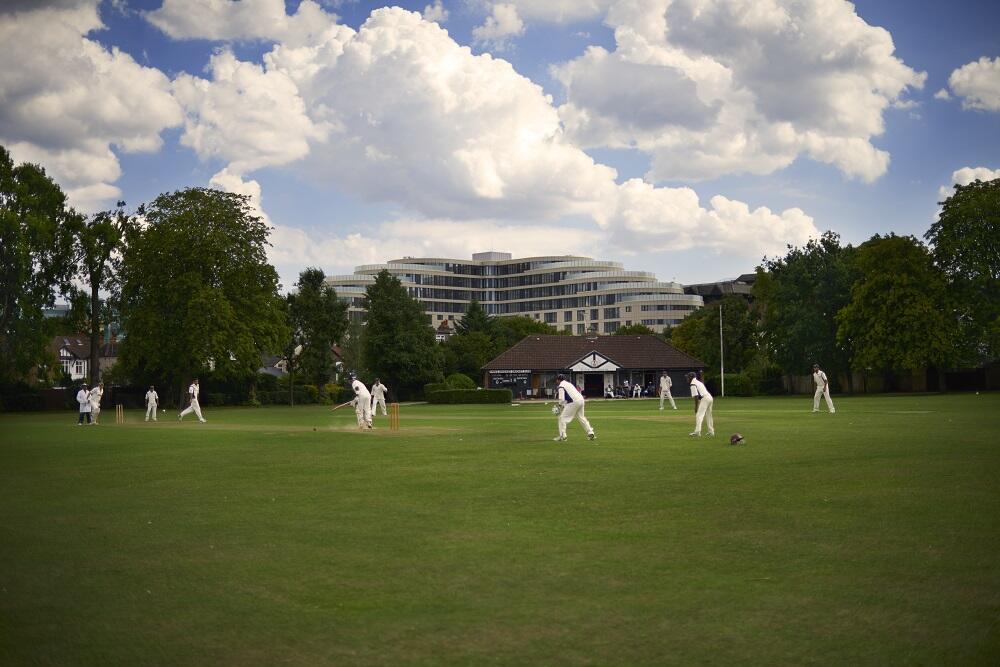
(95, 332)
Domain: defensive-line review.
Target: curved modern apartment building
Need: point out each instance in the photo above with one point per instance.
(576, 294)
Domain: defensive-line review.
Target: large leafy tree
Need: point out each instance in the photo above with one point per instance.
(698, 334)
(513, 329)
(475, 319)
(965, 242)
(898, 317)
(318, 319)
(196, 292)
(399, 343)
(37, 235)
(99, 239)
(799, 296)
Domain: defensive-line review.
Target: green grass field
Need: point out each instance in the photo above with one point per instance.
(282, 535)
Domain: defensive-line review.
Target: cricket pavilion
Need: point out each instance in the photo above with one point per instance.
(594, 363)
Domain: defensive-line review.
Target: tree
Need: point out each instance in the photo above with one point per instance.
(799, 296)
(511, 330)
(353, 348)
(965, 242)
(698, 334)
(898, 318)
(318, 319)
(99, 238)
(399, 343)
(634, 330)
(37, 233)
(196, 292)
(475, 319)
(467, 353)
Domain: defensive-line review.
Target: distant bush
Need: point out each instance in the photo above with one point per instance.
(459, 381)
(737, 384)
(469, 396)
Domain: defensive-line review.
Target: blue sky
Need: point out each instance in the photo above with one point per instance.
(689, 139)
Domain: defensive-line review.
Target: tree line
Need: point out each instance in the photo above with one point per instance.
(187, 278)
(891, 305)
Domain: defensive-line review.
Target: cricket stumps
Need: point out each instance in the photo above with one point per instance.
(394, 416)
(119, 414)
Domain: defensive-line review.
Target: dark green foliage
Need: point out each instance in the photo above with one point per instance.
(965, 242)
(897, 319)
(317, 319)
(634, 330)
(459, 381)
(37, 261)
(398, 342)
(99, 238)
(475, 319)
(800, 295)
(470, 396)
(431, 387)
(468, 353)
(197, 291)
(698, 334)
(737, 384)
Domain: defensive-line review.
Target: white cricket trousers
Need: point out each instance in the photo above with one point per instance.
(665, 394)
(363, 411)
(377, 401)
(704, 410)
(195, 408)
(823, 391)
(151, 409)
(572, 411)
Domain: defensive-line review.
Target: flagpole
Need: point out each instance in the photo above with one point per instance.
(722, 360)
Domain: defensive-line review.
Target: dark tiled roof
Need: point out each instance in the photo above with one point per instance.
(561, 352)
(79, 346)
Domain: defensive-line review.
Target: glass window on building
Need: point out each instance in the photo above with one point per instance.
(628, 309)
(550, 318)
(581, 315)
(580, 329)
(610, 313)
(610, 327)
(593, 313)
(568, 316)
(568, 328)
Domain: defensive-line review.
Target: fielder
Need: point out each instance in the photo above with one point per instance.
(822, 389)
(363, 404)
(703, 400)
(95, 402)
(571, 403)
(665, 384)
(152, 401)
(192, 403)
(636, 390)
(378, 397)
(83, 398)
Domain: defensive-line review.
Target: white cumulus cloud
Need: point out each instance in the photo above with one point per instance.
(740, 85)
(978, 84)
(499, 27)
(435, 13)
(242, 20)
(967, 175)
(66, 101)
(398, 112)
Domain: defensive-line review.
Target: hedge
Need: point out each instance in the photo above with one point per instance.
(459, 381)
(431, 387)
(465, 396)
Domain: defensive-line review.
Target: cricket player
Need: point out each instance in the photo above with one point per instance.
(665, 384)
(822, 389)
(378, 397)
(703, 400)
(637, 390)
(192, 402)
(152, 401)
(96, 394)
(83, 398)
(363, 404)
(571, 401)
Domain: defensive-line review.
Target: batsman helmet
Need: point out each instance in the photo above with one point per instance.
(736, 439)
(690, 376)
(560, 377)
